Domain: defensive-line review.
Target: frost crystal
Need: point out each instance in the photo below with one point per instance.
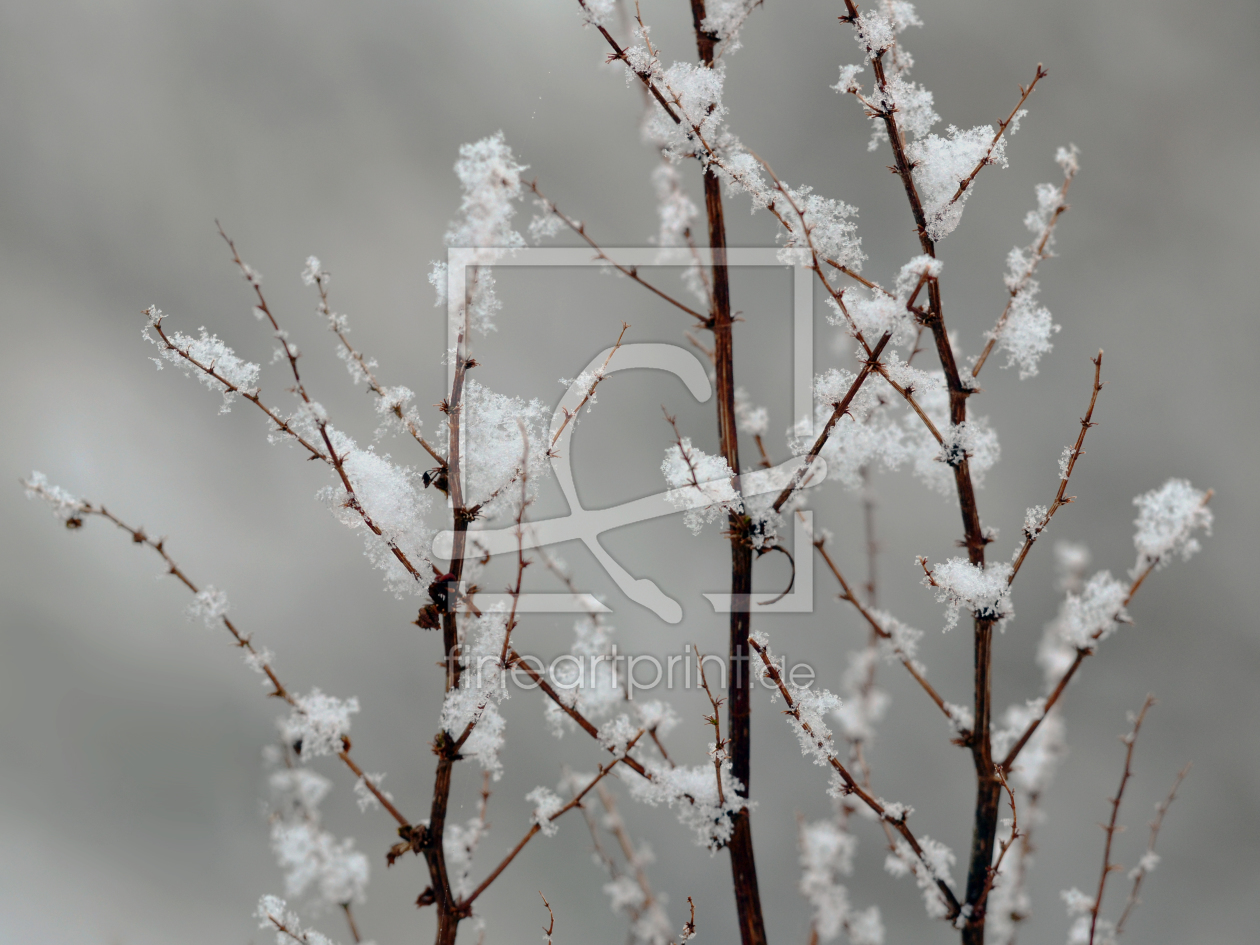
(863, 705)
(754, 421)
(940, 164)
(308, 854)
(495, 448)
(460, 842)
(598, 12)
(902, 642)
(392, 497)
(699, 483)
(865, 435)
(273, 913)
(874, 32)
(706, 815)
(1025, 336)
(823, 228)
(546, 805)
(491, 180)
(826, 855)
(65, 506)
(589, 681)
(1147, 864)
(1166, 522)
(975, 439)
(1043, 751)
(724, 20)
(217, 366)
(363, 795)
(482, 687)
(209, 605)
(878, 311)
(984, 592)
(318, 723)
(1094, 613)
(675, 212)
(848, 79)
(935, 865)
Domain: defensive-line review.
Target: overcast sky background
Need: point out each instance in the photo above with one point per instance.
(131, 780)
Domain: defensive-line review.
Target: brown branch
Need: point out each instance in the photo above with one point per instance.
(839, 409)
(337, 462)
(876, 627)
(631, 272)
(365, 368)
(1081, 654)
(552, 924)
(282, 425)
(872, 545)
(1003, 845)
(279, 691)
(1002, 126)
(616, 826)
(354, 928)
(1139, 874)
(1060, 499)
(644, 77)
(590, 391)
(466, 903)
(851, 785)
(719, 744)
(1040, 253)
(752, 927)
(988, 789)
(1130, 741)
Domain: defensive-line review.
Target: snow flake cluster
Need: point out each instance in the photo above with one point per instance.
(65, 506)
(934, 867)
(1167, 519)
(209, 605)
(863, 705)
(393, 499)
(317, 724)
(547, 805)
(939, 163)
(982, 591)
(482, 688)
(692, 792)
(205, 356)
(826, 857)
(311, 857)
(699, 483)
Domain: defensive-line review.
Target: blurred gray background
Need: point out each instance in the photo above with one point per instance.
(130, 741)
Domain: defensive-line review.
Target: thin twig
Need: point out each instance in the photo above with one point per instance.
(365, 365)
(1060, 499)
(1140, 872)
(848, 595)
(1081, 654)
(631, 272)
(245, 642)
(467, 902)
(1130, 740)
(852, 786)
(1002, 126)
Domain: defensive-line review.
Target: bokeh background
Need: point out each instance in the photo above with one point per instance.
(131, 779)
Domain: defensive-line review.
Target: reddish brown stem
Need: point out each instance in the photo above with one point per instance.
(1108, 867)
(245, 642)
(851, 784)
(1060, 498)
(739, 723)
